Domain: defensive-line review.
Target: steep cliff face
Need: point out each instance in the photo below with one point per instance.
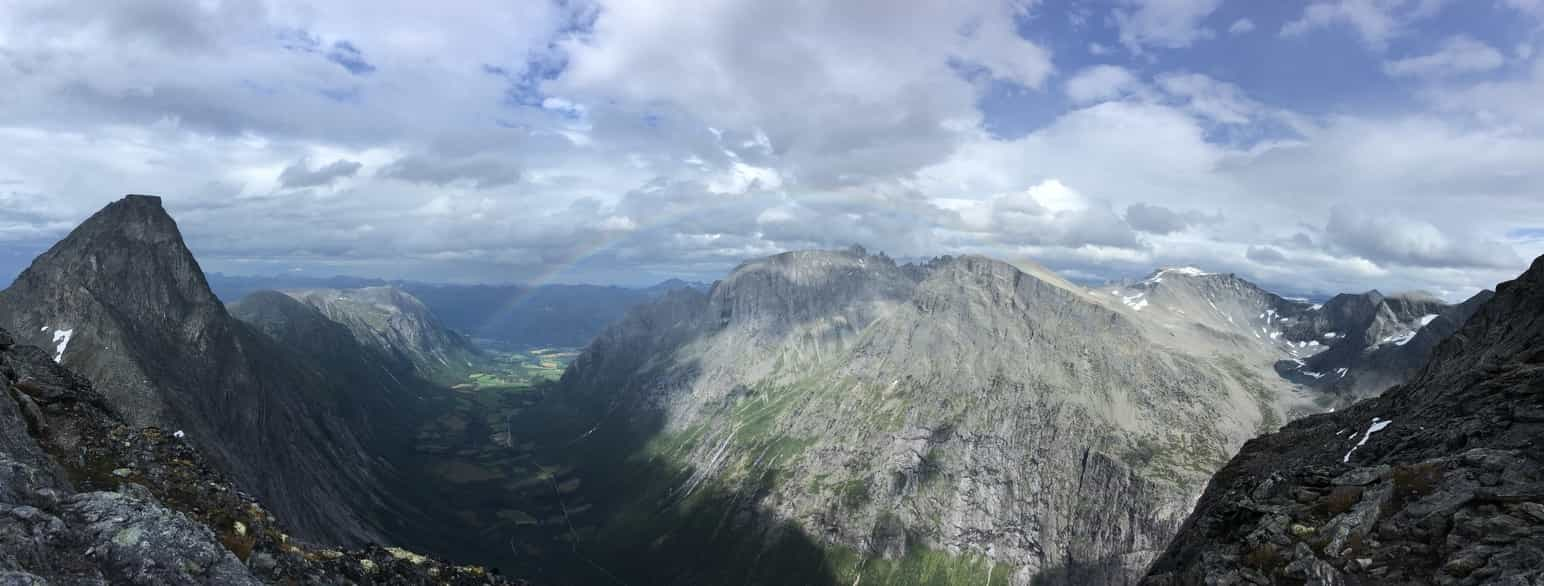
(122, 301)
(1437, 481)
(1018, 426)
(397, 324)
(86, 499)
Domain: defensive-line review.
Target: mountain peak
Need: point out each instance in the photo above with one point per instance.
(128, 254)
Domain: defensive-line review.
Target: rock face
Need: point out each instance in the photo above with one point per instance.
(122, 302)
(1437, 481)
(400, 326)
(964, 407)
(86, 499)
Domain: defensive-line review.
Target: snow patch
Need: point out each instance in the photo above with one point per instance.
(1378, 424)
(1314, 374)
(1341, 372)
(1399, 339)
(62, 338)
(179, 434)
(1135, 302)
(1426, 319)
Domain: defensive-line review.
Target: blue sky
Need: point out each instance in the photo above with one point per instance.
(1313, 146)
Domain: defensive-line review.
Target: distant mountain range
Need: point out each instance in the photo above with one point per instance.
(546, 315)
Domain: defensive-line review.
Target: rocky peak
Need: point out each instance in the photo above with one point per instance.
(130, 254)
(123, 303)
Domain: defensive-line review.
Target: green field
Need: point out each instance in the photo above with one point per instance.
(519, 369)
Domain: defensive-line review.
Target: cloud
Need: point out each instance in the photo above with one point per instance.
(1457, 55)
(1266, 255)
(1167, 24)
(852, 91)
(1374, 21)
(300, 174)
(500, 141)
(476, 172)
(1099, 83)
(1392, 239)
(1216, 100)
(1157, 219)
(1241, 26)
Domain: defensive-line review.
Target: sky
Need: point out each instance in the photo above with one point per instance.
(1312, 146)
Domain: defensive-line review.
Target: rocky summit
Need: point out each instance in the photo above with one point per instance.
(1437, 481)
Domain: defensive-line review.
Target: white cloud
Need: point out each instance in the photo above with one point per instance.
(856, 90)
(1241, 26)
(1168, 24)
(1457, 55)
(1374, 21)
(1219, 101)
(1100, 82)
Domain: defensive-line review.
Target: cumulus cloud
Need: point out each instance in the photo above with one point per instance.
(1100, 82)
(1391, 239)
(1266, 255)
(1457, 55)
(1374, 21)
(300, 174)
(1241, 26)
(1157, 219)
(479, 173)
(1165, 24)
(1219, 101)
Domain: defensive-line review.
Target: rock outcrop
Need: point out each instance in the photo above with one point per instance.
(88, 499)
(1437, 481)
(122, 302)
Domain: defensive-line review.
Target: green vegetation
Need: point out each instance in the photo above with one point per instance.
(920, 566)
(520, 370)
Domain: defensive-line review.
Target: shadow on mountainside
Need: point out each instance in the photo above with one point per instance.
(586, 500)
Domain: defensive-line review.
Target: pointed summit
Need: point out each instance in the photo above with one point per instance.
(122, 302)
(129, 257)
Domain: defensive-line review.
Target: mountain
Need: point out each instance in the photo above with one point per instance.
(400, 326)
(964, 419)
(1437, 481)
(1351, 347)
(122, 302)
(86, 499)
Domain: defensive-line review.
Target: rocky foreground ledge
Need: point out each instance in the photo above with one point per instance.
(86, 499)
